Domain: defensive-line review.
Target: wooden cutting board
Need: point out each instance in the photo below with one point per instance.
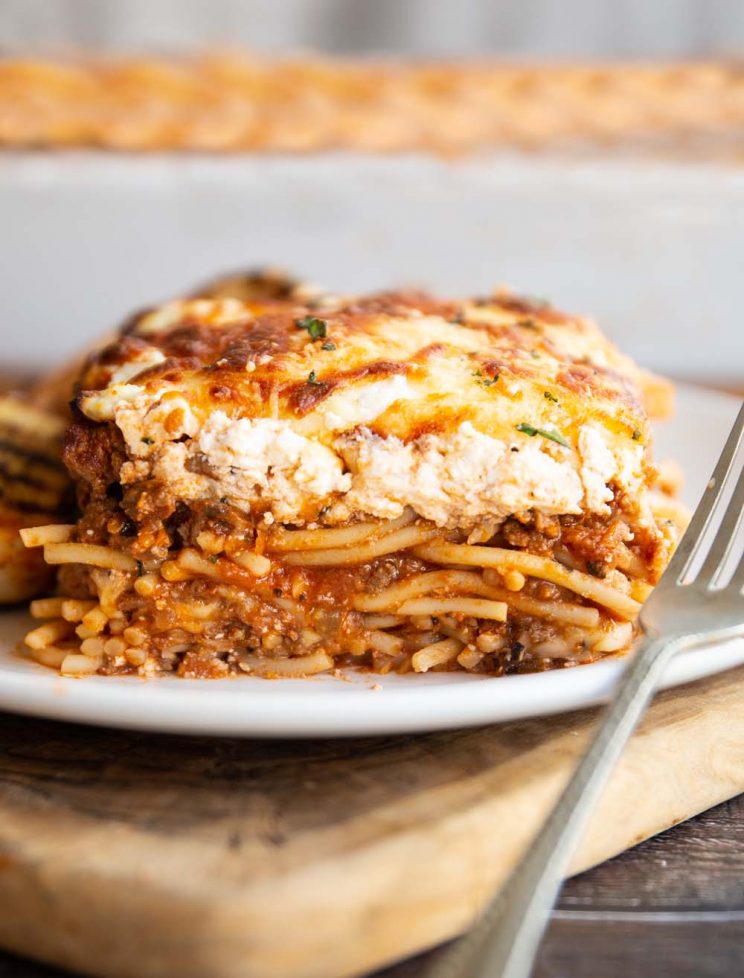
(138, 856)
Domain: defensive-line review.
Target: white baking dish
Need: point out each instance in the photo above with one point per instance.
(653, 250)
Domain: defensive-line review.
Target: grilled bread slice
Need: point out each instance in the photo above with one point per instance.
(34, 489)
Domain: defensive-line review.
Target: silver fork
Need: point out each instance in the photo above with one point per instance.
(679, 614)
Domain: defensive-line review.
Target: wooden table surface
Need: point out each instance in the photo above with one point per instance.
(673, 907)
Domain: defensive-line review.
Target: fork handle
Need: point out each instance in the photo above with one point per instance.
(505, 941)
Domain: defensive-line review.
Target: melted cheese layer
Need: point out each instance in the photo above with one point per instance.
(460, 414)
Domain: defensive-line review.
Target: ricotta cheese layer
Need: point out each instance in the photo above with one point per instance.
(457, 479)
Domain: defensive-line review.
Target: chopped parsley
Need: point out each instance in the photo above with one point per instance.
(485, 381)
(534, 354)
(147, 441)
(550, 397)
(213, 558)
(312, 379)
(528, 429)
(328, 346)
(316, 328)
(527, 324)
(636, 436)
(595, 569)
(140, 568)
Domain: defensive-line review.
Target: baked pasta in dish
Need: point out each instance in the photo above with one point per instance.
(223, 102)
(280, 482)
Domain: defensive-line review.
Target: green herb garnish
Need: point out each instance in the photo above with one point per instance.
(595, 569)
(140, 568)
(213, 558)
(312, 379)
(317, 328)
(328, 346)
(534, 354)
(636, 436)
(485, 381)
(550, 397)
(527, 324)
(528, 429)
(147, 441)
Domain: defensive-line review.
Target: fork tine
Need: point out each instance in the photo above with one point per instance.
(690, 543)
(725, 538)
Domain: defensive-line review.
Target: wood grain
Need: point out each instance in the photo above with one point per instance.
(229, 858)
(653, 912)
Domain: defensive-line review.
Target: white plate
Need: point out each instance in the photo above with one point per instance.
(362, 703)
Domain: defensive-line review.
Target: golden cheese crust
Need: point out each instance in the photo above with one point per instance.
(497, 362)
(332, 408)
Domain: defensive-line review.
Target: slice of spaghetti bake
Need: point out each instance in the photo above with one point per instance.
(286, 483)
